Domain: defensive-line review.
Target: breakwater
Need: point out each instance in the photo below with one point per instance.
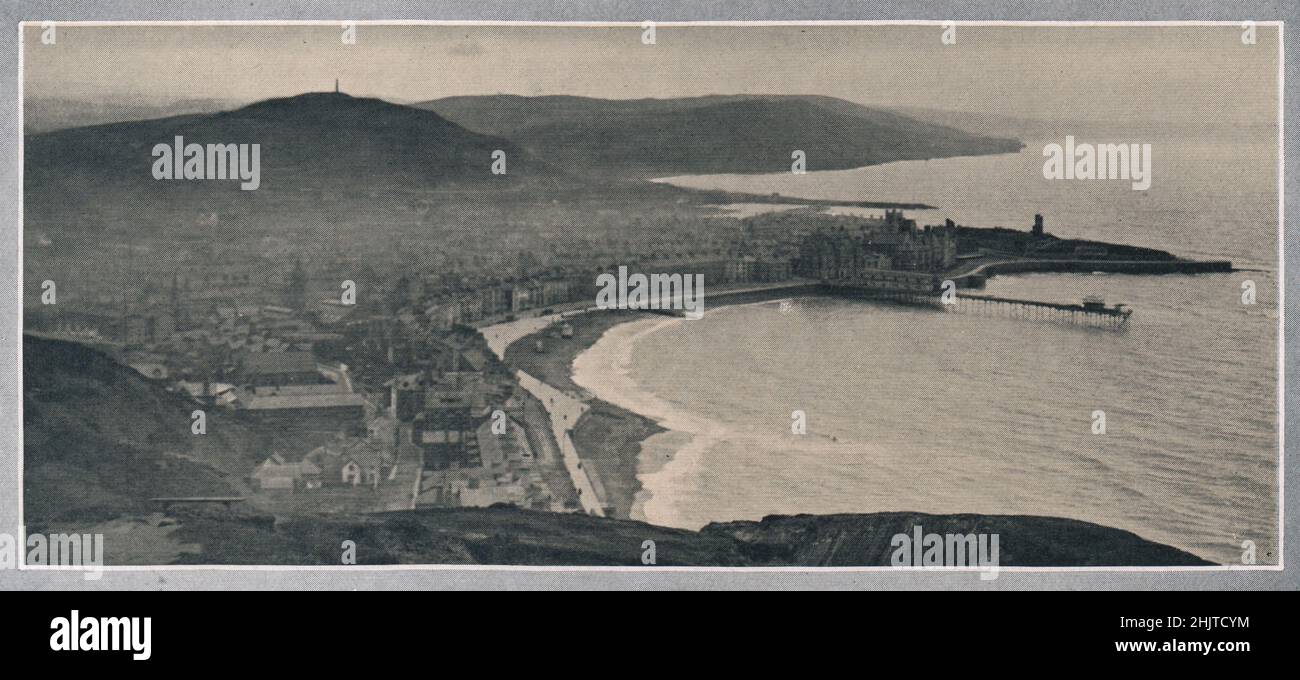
(976, 277)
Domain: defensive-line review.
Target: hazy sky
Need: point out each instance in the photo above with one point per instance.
(1098, 73)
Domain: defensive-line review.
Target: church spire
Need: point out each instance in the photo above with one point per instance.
(336, 86)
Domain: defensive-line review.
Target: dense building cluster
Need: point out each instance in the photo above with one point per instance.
(866, 245)
(392, 396)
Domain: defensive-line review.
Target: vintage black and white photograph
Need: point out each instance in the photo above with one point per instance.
(890, 296)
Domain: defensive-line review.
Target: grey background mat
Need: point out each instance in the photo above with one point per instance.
(427, 577)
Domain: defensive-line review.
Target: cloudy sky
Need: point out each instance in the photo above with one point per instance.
(1104, 73)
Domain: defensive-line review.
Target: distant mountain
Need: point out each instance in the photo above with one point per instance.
(1040, 129)
(310, 140)
(327, 161)
(713, 134)
(988, 124)
(332, 163)
(331, 140)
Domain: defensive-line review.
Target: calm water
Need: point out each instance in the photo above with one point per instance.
(922, 410)
(1209, 197)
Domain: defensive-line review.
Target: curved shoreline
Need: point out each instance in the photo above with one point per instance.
(605, 437)
(603, 369)
(646, 462)
(594, 368)
(611, 440)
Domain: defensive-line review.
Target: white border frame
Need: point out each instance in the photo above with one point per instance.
(648, 570)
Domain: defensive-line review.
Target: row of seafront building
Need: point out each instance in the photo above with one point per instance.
(190, 331)
(468, 304)
(211, 299)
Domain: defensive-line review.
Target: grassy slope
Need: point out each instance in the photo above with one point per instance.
(100, 439)
(324, 158)
(305, 140)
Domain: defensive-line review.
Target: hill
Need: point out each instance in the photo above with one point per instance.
(325, 158)
(337, 167)
(305, 140)
(99, 439)
(714, 134)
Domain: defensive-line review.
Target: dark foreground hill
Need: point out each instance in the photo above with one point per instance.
(506, 535)
(100, 440)
(715, 134)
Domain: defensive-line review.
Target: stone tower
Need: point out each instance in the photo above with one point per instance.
(295, 289)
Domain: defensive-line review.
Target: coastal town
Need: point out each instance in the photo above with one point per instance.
(388, 398)
(393, 391)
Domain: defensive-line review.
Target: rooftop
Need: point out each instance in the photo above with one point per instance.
(272, 363)
(301, 401)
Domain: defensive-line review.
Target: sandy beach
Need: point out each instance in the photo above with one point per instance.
(609, 439)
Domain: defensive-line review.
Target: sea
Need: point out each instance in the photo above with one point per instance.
(923, 410)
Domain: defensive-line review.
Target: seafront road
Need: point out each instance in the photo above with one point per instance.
(564, 409)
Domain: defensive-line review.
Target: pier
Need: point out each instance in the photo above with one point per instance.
(1091, 312)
